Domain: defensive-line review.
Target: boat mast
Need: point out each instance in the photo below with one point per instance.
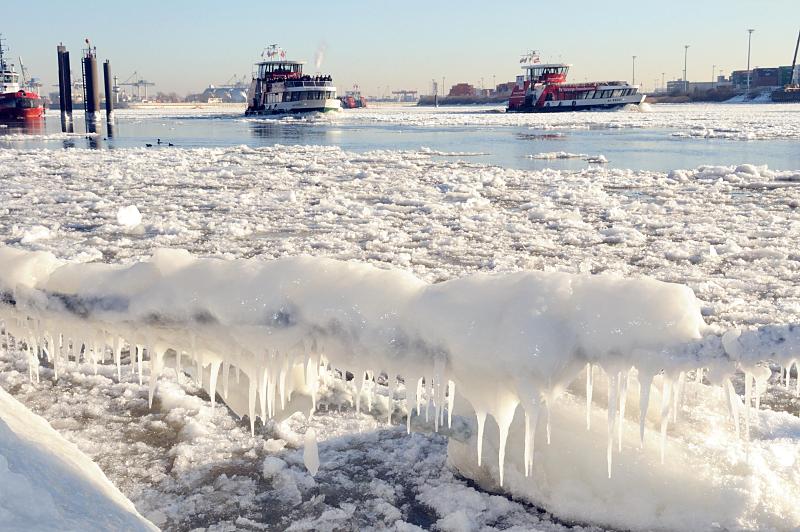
(2, 57)
(795, 80)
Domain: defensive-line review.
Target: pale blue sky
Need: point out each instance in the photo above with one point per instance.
(184, 45)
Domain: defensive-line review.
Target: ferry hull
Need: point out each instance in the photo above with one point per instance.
(568, 107)
(309, 106)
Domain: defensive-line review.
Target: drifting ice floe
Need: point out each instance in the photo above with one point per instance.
(510, 345)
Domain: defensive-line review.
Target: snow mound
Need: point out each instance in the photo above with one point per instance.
(47, 484)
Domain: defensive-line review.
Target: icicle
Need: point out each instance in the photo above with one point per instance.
(226, 369)
(360, 389)
(56, 355)
(312, 381)
(547, 419)
(428, 394)
(665, 406)
(271, 386)
(797, 378)
(251, 404)
(212, 383)
(733, 404)
(282, 380)
(623, 399)
(262, 393)
(311, 452)
(451, 395)
(389, 399)
(589, 386)
(677, 394)
(118, 357)
(698, 376)
(645, 382)
(156, 359)
(481, 421)
(613, 380)
(747, 402)
(418, 388)
(139, 362)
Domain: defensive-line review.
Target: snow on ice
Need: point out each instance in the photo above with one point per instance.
(509, 345)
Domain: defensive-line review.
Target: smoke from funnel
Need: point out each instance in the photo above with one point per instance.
(320, 55)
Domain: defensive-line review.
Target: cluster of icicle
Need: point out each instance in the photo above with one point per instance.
(267, 329)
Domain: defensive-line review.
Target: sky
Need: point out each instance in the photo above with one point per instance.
(184, 45)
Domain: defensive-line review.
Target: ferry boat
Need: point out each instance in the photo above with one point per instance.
(543, 88)
(280, 87)
(15, 102)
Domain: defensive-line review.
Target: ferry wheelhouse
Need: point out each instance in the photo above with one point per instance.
(543, 88)
(280, 87)
(15, 102)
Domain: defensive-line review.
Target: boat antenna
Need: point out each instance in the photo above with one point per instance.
(23, 72)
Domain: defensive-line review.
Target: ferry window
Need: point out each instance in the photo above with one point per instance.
(617, 93)
(590, 95)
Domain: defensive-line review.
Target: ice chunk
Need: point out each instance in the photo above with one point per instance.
(129, 216)
(311, 451)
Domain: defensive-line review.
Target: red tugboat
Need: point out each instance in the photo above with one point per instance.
(15, 102)
(353, 99)
(543, 89)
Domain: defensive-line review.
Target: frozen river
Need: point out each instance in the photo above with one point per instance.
(707, 196)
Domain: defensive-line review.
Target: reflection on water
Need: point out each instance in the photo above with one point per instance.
(33, 126)
(289, 132)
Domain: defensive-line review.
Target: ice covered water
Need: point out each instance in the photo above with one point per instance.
(724, 228)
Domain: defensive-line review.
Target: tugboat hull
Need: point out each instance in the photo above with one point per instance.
(20, 105)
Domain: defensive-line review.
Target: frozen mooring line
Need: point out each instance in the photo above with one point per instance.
(263, 329)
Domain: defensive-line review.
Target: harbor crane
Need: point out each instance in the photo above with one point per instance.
(139, 85)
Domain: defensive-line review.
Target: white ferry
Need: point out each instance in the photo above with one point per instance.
(543, 89)
(280, 87)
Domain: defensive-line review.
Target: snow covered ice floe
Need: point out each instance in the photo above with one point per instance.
(47, 484)
(508, 346)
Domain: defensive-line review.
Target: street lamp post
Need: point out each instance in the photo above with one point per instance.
(633, 81)
(749, 39)
(685, 62)
(713, 76)
(663, 82)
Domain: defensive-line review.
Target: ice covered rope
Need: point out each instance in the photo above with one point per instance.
(261, 330)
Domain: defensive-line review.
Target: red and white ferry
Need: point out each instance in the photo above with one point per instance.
(543, 89)
(15, 102)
